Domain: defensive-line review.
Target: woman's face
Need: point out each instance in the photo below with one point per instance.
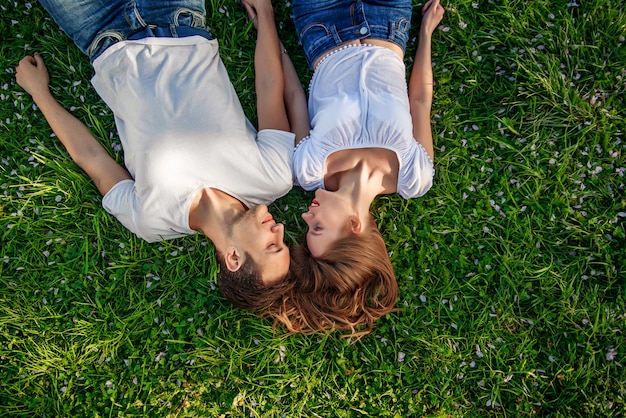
(328, 219)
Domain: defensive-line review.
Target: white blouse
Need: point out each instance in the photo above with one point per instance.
(358, 99)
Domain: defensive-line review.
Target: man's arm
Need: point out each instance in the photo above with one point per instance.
(421, 81)
(84, 149)
(268, 68)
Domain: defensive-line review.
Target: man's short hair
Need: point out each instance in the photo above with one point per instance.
(245, 289)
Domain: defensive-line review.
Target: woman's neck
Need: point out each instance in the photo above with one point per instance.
(362, 174)
(360, 185)
(375, 169)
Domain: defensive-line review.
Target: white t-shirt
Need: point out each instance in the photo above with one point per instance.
(358, 99)
(182, 129)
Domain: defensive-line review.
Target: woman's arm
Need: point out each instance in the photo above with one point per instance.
(84, 149)
(421, 81)
(295, 99)
(268, 68)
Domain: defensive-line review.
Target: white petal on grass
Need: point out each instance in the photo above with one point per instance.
(479, 352)
(611, 354)
(401, 356)
(281, 354)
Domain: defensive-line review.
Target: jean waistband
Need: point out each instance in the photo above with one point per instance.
(166, 32)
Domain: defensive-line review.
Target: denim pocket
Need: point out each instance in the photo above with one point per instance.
(400, 31)
(317, 34)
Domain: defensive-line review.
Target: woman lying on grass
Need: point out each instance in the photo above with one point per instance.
(367, 138)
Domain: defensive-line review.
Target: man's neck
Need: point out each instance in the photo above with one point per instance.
(211, 212)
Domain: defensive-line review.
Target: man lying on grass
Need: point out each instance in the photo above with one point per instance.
(193, 160)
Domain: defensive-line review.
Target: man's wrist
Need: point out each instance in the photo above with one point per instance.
(265, 13)
(41, 96)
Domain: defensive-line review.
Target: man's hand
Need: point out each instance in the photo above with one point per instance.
(253, 7)
(32, 75)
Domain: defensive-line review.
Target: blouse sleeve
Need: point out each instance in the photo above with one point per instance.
(416, 175)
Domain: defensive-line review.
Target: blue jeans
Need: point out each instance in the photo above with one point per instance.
(326, 24)
(94, 25)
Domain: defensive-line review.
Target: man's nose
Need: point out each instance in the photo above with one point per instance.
(277, 227)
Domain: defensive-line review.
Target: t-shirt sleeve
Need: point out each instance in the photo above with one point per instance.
(120, 202)
(277, 152)
(417, 173)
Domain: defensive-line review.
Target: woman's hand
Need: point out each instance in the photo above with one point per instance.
(32, 75)
(432, 13)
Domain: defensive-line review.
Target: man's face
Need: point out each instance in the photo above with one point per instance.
(256, 233)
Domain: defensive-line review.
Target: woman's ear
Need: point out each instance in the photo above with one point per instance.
(233, 259)
(355, 224)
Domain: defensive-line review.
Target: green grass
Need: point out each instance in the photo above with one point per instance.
(511, 269)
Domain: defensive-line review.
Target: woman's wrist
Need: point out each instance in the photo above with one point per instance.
(425, 34)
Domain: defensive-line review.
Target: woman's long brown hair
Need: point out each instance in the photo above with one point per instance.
(348, 288)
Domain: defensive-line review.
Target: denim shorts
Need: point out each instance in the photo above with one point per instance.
(323, 25)
(94, 25)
